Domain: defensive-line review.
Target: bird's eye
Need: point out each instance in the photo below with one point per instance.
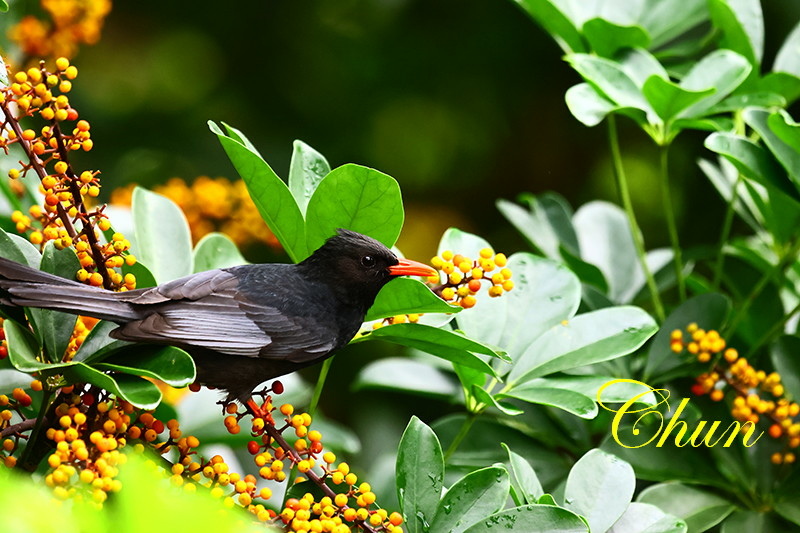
(368, 261)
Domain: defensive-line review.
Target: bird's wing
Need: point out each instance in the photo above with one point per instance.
(207, 310)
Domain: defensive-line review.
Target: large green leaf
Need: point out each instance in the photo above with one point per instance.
(525, 485)
(404, 296)
(216, 250)
(709, 311)
(646, 518)
(610, 80)
(407, 375)
(356, 198)
(699, 508)
(587, 105)
(532, 519)
(23, 348)
(171, 365)
(272, 197)
(607, 38)
(138, 391)
(163, 240)
(599, 487)
(752, 522)
(472, 499)
(546, 223)
(306, 170)
(577, 403)
(54, 328)
(785, 356)
(586, 339)
(606, 241)
(556, 23)
(98, 343)
(722, 70)
(742, 26)
(544, 294)
(762, 122)
(668, 99)
(788, 60)
(753, 161)
(420, 474)
(10, 250)
(440, 342)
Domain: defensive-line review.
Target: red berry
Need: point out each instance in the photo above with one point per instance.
(158, 426)
(3, 352)
(253, 447)
(88, 399)
(277, 387)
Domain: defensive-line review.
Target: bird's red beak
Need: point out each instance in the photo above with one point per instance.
(407, 267)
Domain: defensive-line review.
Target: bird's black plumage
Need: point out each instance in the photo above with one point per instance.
(242, 325)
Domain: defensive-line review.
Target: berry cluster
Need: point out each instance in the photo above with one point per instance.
(464, 277)
(72, 23)
(345, 511)
(212, 204)
(756, 395)
(3, 343)
(9, 407)
(41, 93)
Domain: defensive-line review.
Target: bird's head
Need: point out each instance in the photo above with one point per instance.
(357, 266)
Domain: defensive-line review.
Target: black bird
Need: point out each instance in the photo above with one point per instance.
(242, 325)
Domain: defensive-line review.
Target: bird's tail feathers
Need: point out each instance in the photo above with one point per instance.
(23, 286)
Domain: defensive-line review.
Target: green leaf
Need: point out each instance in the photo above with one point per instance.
(556, 23)
(751, 522)
(54, 328)
(742, 26)
(546, 224)
(752, 161)
(787, 131)
(531, 519)
(665, 20)
(544, 294)
(610, 80)
(523, 479)
(668, 99)
(782, 83)
(439, 342)
(761, 120)
(570, 401)
(607, 38)
(599, 487)
(737, 102)
(98, 343)
(144, 278)
(785, 357)
(404, 296)
(787, 60)
(699, 508)
(356, 198)
(406, 375)
(306, 170)
(216, 250)
(472, 499)
(163, 240)
(270, 194)
(420, 474)
(709, 311)
(587, 105)
(10, 250)
(646, 518)
(169, 364)
(138, 391)
(722, 70)
(586, 339)
(590, 385)
(606, 241)
(493, 400)
(23, 349)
